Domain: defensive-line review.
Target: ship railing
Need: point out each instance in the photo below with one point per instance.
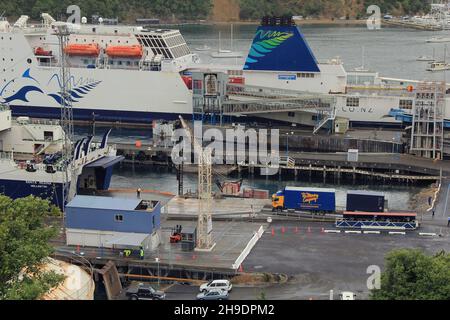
(36, 28)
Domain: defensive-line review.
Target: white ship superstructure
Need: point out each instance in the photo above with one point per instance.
(119, 73)
(280, 58)
(31, 164)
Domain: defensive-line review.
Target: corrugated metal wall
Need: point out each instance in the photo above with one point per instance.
(99, 219)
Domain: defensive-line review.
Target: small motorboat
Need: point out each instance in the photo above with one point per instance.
(203, 48)
(438, 39)
(439, 66)
(425, 59)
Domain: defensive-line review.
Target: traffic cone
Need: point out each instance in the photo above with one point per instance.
(273, 232)
(283, 230)
(241, 269)
(323, 230)
(309, 229)
(78, 248)
(194, 257)
(296, 229)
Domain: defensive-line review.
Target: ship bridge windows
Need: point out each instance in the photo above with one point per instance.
(406, 104)
(352, 102)
(171, 44)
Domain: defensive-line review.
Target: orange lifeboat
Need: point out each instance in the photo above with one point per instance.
(39, 51)
(90, 49)
(134, 51)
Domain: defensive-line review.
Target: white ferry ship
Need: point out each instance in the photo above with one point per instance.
(119, 73)
(134, 74)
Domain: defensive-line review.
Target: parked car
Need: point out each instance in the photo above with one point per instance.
(216, 294)
(144, 292)
(216, 284)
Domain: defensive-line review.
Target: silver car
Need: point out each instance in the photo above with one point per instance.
(213, 295)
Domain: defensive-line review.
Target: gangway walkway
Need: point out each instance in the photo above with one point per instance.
(253, 100)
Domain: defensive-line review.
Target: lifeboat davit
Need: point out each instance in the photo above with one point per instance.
(39, 51)
(133, 51)
(90, 49)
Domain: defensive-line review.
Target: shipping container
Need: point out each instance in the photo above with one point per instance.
(306, 199)
(365, 201)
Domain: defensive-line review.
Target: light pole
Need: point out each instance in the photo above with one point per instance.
(159, 280)
(287, 144)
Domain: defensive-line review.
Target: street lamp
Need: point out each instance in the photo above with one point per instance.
(159, 280)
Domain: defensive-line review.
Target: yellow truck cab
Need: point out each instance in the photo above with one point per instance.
(278, 201)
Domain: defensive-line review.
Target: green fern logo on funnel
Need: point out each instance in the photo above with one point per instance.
(261, 48)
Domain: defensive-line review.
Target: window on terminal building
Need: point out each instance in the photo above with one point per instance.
(118, 218)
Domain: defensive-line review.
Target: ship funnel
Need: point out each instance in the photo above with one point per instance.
(279, 45)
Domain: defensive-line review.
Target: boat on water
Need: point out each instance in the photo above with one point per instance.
(438, 66)
(226, 53)
(439, 39)
(31, 162)
(425, 59)
(203, 48)
(105, 61)
(155, 68)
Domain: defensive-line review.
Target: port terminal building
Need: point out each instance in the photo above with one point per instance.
(114, 223)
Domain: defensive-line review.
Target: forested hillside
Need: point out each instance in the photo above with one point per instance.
(217, 9)
(125, 10)
(252, 9)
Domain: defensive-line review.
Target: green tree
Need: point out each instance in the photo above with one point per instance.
(412, 275)
(24, 246)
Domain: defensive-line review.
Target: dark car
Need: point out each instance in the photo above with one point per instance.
(144, 292)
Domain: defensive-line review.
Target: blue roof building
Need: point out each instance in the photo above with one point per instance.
(113, 222)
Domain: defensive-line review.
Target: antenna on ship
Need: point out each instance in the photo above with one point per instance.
(68, 190)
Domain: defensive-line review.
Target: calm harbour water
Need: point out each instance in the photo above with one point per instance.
(390, 51)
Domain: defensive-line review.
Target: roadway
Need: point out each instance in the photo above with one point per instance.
(317, 262)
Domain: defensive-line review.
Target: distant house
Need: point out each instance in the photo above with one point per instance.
(119, 223)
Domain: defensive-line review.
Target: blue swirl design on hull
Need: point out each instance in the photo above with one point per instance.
(75, 93)
(79, 90)
(22, 94)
